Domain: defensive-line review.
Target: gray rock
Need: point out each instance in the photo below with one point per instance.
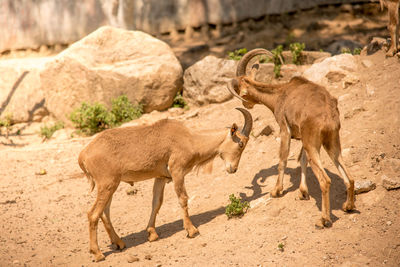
(337, 47)
(206, 81)
(390, 183)
(363, 186)
(108, 63)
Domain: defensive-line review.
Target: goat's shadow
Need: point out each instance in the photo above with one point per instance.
(337, 198)
(338, 193)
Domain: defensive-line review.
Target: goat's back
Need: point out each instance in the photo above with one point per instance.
(137, 148)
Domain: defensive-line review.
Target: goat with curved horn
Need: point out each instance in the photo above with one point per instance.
(248, 122)
(304, 111)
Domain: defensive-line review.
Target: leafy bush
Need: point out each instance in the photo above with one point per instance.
(179, 102)
(236, 207)
(237, 54)
(124, 111)
(356, 51)
(6, 122)
(296, 49)
(48, 132)
(90, 119)
(277, 59)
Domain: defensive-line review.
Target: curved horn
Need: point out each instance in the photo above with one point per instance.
(233, 92)
(248, 122)
(242, 65)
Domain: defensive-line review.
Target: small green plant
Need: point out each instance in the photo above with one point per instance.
(237, 54)
(90, 119)
(277, 59)
(237, 207)
(179, 102)
(356, 51)
(124, 111)
(47, 132)
(345, 50)
(6, 122)
(281, 247)
(296, 49)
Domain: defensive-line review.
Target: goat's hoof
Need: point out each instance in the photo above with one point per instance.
(98, 256)
(120, 244)
(347, 206)
(276, 193)
(192, 232)
(322, 223)
(303, 195)
(153, 236)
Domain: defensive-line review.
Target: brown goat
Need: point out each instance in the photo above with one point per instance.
(304, 111)
(167, 151)
(394, 24)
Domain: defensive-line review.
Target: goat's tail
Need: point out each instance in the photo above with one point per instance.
(88, 175)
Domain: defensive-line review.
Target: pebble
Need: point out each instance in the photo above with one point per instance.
(363, 186)
(148, 257)
(389, 223)
(132, 258)
(390, 183)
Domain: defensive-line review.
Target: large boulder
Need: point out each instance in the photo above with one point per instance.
(340, 69)
(108, 63)
(21, 97)
(205, 82)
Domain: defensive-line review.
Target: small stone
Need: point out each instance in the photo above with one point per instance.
(204, 244)
(267, 131)
(390, 183)
(367, 63)
(16, 262)
(148, 257)
(388, 223)
(132, 258)
(41, 172)
(131, 191)
(363, 186)
(370, 90)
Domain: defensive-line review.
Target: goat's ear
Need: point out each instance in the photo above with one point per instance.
(233, 129)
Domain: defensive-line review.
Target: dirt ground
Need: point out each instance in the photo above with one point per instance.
(43, 218)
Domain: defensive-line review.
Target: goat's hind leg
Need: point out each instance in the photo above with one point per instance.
(303, 189)
(105, 217)
(104, 193)
(334, 152)
(158, 195)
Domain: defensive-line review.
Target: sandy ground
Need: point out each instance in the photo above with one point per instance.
(43, 218)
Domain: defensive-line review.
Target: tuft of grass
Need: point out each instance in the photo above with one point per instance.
(296, 49)
(357, 51)
(93, 118)
(236, 207)
(179, 101)
(237, 54)
(281, 247)
(47, 132)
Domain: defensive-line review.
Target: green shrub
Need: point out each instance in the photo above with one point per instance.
(296, 49)
(179, 102)
(237, 54)
(124, 111)
(236, 208)
(48, 132)
(6, 122)
(356, 51)
(277, 59)
(93, 118)
(90, 119)
(345, 50)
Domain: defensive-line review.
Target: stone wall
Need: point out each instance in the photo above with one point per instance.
(32, 23)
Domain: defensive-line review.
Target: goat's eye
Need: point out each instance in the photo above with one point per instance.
(241, 144)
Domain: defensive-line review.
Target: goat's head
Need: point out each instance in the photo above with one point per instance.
(235, 142)
(240, 89)
(239, 86)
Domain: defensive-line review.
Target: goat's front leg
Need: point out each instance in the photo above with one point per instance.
(158, 196)
(283, 155)
(180, 190)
